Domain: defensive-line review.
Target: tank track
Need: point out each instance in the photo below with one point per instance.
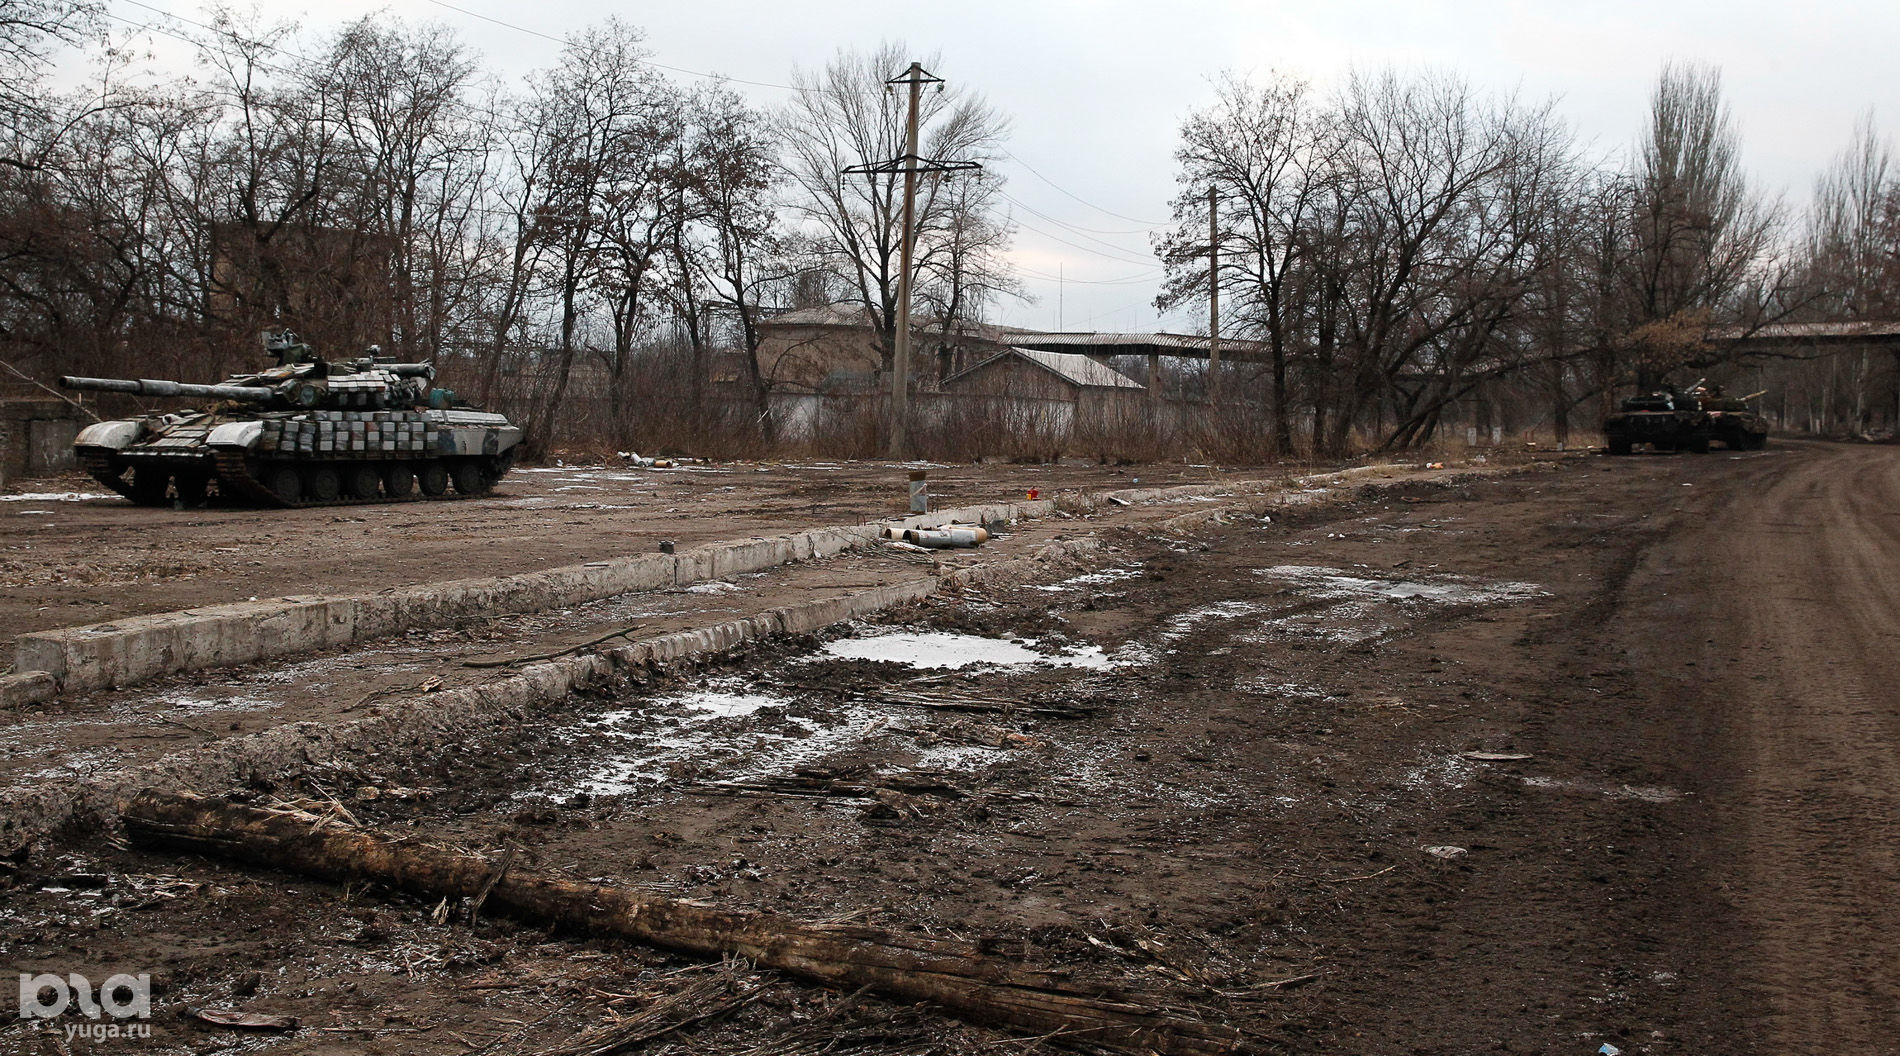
(100, 466)
(234, 474)
(235, 480)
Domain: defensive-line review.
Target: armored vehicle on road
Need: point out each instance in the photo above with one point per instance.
(1666, 420)
(306, 432)
(1732, 421)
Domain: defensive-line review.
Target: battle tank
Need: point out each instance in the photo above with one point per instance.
(305, 432)
(1732, 421)
(1666, 419)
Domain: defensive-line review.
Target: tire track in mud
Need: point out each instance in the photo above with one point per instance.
(1772, 617)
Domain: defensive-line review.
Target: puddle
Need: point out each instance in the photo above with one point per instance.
(944, 649)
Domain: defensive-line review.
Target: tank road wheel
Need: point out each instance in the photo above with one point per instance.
(193, 488)
(361, 481)
(285, 483)
(320, 484)
(148, 485)
(398, 480)
(1621, 445)
(432, 478)
(1698, 443)
(469, 478)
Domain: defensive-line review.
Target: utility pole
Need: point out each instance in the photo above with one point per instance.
(910, 165)
(1213, 296)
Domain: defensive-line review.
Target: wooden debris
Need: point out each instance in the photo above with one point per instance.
(244, 1020)
(956, 976)
(692, 1004)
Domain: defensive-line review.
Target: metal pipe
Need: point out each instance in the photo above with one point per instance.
(947, 538)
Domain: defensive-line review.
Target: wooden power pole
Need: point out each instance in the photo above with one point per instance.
(1213, 296)
(910, 164)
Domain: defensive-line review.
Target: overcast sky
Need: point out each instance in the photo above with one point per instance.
(1096, 90)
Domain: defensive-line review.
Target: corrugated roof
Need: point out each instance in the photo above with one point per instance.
(1859, 330)
(1137, 344)
(1070, 367)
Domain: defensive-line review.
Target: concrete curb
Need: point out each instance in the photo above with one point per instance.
(419, 723)
(128, 651)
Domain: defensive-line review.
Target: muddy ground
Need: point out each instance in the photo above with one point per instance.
(72, 553)
(1598, 753)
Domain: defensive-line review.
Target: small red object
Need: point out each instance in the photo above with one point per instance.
(1033, 492)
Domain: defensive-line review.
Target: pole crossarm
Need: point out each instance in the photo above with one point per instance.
(911, 163)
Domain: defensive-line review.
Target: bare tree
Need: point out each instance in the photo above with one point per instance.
(730, 242)
(410, 162)
(1697, 230)
(593, 104)
(845, 116)
(28, 30)
(1267, 155)
(1853, 237)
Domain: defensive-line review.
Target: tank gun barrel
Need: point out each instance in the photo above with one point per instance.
(150, 387)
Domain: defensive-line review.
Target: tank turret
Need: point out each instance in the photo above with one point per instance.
(305, 431)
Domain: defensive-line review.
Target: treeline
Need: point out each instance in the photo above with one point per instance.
(1407, 248)
(593, 248)
(600, 235)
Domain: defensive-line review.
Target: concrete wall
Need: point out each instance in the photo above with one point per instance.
(36, 437)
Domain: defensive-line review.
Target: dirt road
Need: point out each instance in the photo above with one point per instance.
(1600, 753)
(1783, 585)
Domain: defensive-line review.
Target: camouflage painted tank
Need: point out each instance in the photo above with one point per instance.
(304, 432)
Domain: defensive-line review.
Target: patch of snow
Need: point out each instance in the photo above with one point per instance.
(1645, 793)
(959, 757)
(54, 496)
(1091, 579)
(1183, 624)
(1322, 582)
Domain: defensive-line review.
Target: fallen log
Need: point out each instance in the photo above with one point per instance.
(955, 976)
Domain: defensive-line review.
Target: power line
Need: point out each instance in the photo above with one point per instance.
(1066, 227)
(1078, 228)
(566, 42)
(1132, 280)
(1133, 220)
(1121, 259)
